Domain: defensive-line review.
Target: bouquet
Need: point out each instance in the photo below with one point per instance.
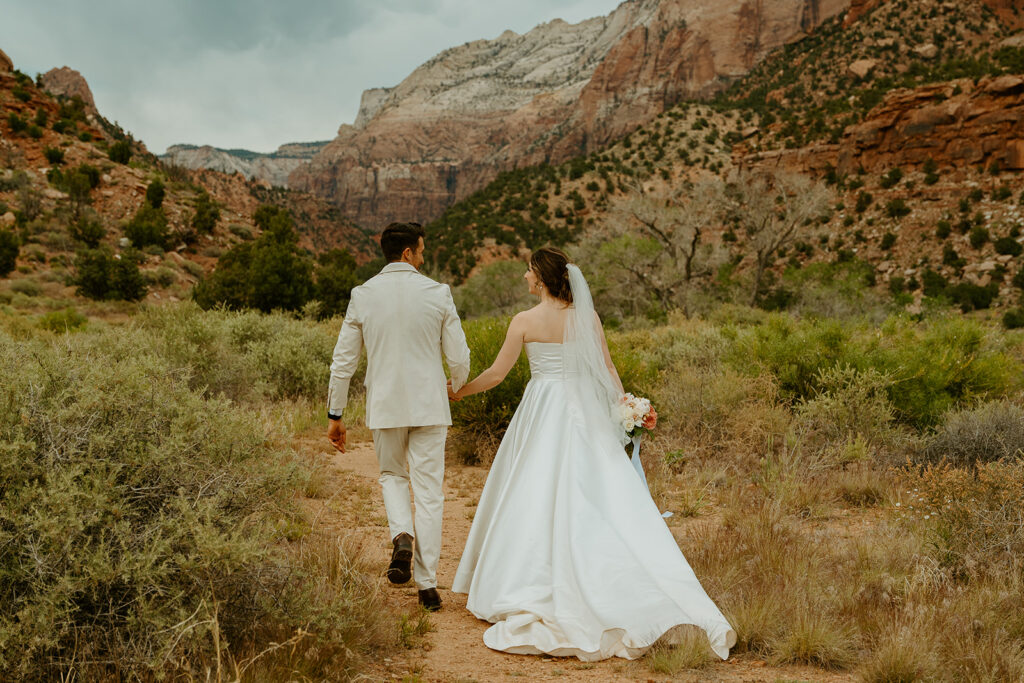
(636, 415)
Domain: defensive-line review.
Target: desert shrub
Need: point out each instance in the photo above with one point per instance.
(147, 227)
(54, 155)
(161, 277)
(989, 432)
(978, 236)
(975, 515)
(933, 365)
(891, 178)
(26, 286)
(206, 215)
(269, 273)
(970, 297)
(1013, 319)
(155, 193)
(897, 208)
(483, 418)
(120, 152)
(143, 523)
(16, 122)
(99, 275)
(1008, 245)
(87, 229)
(888, 239)
(66, 320)
(943, 229)
(10, 246)
(849, 404)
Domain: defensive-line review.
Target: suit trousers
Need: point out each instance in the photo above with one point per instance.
(414, 455)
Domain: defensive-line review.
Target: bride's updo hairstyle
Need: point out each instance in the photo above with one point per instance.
(548, 264)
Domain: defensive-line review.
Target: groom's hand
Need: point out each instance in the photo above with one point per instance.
(452, 396)
(336, 434)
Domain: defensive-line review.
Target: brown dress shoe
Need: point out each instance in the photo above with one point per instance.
(430, 600)
(400, 569)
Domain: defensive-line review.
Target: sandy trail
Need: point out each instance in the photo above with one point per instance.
(454, 649)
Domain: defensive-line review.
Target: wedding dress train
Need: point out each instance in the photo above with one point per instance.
(568, 554)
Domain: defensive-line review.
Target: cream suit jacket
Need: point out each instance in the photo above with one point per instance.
(407, 322)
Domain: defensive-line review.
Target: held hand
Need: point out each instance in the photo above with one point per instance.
(336, 434)
(453, 395)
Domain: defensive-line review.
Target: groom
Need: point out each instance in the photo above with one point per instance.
(406, 321)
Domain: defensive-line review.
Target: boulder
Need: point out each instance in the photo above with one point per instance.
(8, 218)
(927, 51)
(6, 65)
(862, 68)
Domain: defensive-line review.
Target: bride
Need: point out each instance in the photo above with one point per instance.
(568, 555)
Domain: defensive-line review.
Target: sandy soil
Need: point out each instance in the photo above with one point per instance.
(454, 649)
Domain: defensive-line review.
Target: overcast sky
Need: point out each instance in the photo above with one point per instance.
(251, 73)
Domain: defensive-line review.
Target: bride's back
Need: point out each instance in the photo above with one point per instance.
(545, 323)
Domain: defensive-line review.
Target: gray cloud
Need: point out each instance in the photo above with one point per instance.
(251, 73)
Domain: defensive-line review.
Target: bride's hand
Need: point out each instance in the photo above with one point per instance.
(453, 395)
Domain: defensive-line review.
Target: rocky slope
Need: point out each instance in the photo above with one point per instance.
(556, 92)
(923, 153)
(46, 132)
(272, 168)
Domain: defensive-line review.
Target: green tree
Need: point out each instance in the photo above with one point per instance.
(102, 275)
(207, 214)
(87, 229)
(335, 278)
(121, 152)
(9, 248)
(148, 226)
(270, 273)
(155, 193)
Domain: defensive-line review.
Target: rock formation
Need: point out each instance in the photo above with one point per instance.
(553, 93)
(955, 124)
(67, 82)
(272, 168)
(6, 65)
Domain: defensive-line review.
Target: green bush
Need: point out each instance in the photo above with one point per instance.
(204, 220)
(10, 246)
(270, 273)
(978, 236)
(942, 229)
(482, 419)
(27, 287)
(155, 193)
(934, 365)
(17, 123)
(142, 525)
(54, 155)
(99, 275)
(120, 152)
(897, 208)
(67, 320)
(1013, 319)
(892, 178)
(88, 229)
(148, 226)
(888, 240)
(1008, 245)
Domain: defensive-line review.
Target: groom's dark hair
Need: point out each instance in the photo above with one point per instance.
(398, 237)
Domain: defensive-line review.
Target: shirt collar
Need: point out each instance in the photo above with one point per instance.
(398, 266)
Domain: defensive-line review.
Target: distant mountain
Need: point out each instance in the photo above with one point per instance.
(556, 92)
(272, 168)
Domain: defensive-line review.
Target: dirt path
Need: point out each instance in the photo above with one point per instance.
(454, 649)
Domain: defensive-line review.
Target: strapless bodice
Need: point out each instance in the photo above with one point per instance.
(549, 360)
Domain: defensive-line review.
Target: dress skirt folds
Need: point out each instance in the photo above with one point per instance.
(568, 554)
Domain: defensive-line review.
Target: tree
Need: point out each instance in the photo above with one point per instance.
(654, 243)
(102, 275)
(148, 226)
(121, 152)
(269, 273)
(155, 193)
(207, 214)
(9, 248)
(773, 209)
(335, 278)
(87, 229)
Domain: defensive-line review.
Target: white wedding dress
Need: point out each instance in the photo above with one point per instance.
(568, 554)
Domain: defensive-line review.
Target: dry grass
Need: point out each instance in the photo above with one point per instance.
(681, 649)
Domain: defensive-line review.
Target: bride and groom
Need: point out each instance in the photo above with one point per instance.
(568, 555)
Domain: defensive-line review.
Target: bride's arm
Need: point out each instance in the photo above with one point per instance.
(607, 354)
(507, 356)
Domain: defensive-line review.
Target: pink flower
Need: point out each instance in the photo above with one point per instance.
(651, 419)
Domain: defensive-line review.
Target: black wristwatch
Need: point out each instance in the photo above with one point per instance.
(333, 417)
